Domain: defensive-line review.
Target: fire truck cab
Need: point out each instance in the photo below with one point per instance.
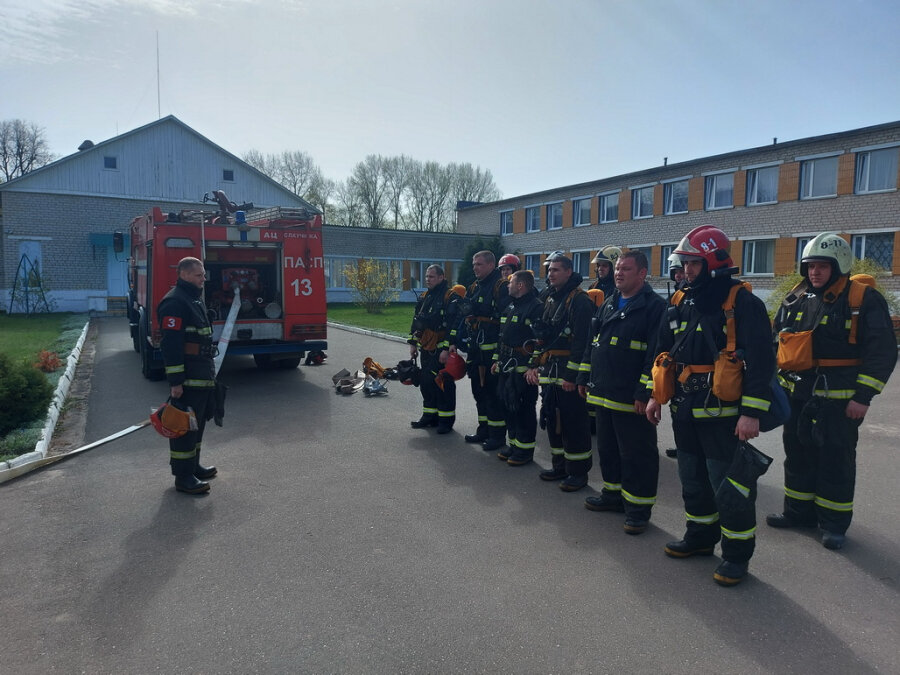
(268, 260)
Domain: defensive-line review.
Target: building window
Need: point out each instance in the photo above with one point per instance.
(762, 186)
(642, 202)
(554, 216)
(676, 195)
(664, 253)
(228, 175)
(334, 272)
(581, 212)
(720, 191)
(533, 263)
(879, 248)
(111, 163)
(609, 208)
(533, 219)
(818, 178)
(801, 244)
(876, 170)
(506, 222)
(581, 263)
(759, 256)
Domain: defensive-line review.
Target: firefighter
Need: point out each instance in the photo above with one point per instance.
(429, 337)
(718, 472)
(510, 364)
(485, 299)
(187, 351)
(605, 264)
(508, 264)
(563, 332)
(676, 275)
(836, 351)
(619, 356)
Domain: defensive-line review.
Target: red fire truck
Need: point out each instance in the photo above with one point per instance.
(268, 260)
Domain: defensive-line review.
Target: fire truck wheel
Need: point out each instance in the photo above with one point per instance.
(263, 361)
(288, 364)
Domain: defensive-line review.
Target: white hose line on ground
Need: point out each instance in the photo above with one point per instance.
(34, 460)
(228, 328)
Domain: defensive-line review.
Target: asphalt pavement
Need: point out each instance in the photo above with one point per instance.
(338, 540)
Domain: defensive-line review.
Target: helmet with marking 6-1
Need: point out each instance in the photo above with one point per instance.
(710, 244)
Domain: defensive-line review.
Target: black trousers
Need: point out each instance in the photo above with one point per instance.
(568, 430)
(491, 417)
(629, 461)
(436, 402)
(820, 471)
(184, 451)
(521, 418)
(718, 500)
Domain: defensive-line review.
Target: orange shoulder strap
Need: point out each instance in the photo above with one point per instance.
(728, 307)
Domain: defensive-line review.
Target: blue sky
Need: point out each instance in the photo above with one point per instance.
(542, 93)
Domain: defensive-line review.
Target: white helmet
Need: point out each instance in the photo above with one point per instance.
(607, 254)
(828, 246)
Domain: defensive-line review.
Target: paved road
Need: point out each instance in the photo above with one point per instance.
(336, 539)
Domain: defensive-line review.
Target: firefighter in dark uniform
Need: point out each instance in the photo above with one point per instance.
(623, 340)
(187, 351)
(429, 337)
(718, 473)
(510, 364)
(605, 265)
(486, 298)
(564, 331)
(836, 351)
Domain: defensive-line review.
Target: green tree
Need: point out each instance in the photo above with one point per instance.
(466, 276)
(375, 284)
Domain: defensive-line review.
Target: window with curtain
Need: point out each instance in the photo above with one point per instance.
(609, 208)
(533, 263)
(581, 212)
(676, 197)
(533, 219)
(581, 263)
(664, 253)
(642, 202)
(876, 170)
(554, 216)
(801, 244)
(720, 191)
(877, 247)
(762, 186)
(506, 222)
(759, 256)
(818, 178)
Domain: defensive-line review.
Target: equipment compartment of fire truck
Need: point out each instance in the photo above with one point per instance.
(269, 261)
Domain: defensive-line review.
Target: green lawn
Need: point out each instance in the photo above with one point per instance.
(394, 319)
(23, 337)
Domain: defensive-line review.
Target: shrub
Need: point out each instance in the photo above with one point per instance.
(24, 394)
(47, 361)
(373, 283)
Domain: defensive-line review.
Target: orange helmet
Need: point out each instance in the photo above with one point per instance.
(710, 244)
(173, 420)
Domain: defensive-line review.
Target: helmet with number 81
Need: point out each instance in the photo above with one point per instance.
(710, 244)
(830, 247)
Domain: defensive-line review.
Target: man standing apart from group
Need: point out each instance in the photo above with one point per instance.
(564, 332)
(836, 351)
(187, 351)
(511, 363)
(623, 339)
(718, 475)
(428, 337)
(486, 297)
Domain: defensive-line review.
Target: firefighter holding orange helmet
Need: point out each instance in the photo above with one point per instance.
(715, 363)
(429, 338)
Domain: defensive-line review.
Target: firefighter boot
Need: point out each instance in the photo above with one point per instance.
(783, 520)
(185, 480)
(685, 549)
(203, 472)
(730, 573)
(832, 540)
(424, 422)
(480, 435)
(558, 470)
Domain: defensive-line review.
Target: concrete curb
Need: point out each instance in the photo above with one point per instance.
(59, 398)
(366, 331)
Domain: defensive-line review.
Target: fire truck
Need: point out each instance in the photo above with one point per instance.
(267, 260)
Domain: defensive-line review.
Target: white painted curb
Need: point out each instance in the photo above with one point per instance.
(59, 398)
(366, 331)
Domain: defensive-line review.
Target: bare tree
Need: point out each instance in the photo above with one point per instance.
(263, 163)
(294, 169)
(23, 148)
(428, 198)
(348, 209)
(471, 184)
(371, 185)
(397, 173)
(321, 193)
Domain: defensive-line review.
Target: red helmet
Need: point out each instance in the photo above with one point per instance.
(173, 420)
(510, 260)
(708, 243)
(454, 368)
